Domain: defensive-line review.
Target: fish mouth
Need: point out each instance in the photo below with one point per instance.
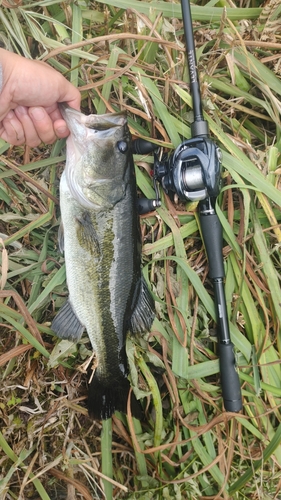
(92, 138)
(98, 123)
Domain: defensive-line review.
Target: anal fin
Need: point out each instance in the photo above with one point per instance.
(66, 325)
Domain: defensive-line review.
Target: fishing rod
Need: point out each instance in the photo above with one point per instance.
(206, 158)
(193, 172)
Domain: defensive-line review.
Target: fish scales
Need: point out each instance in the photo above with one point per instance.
(102, 246)
(100, 274)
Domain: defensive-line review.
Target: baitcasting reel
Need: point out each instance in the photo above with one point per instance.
(192, 171)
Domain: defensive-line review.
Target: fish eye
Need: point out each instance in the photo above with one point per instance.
(122, 146)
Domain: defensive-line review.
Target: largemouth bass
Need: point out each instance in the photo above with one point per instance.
(102, 245)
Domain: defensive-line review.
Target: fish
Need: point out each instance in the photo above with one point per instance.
(101, 240)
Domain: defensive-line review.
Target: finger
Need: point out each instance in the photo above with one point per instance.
(55, 115)
(31, 137)
(61, 129)
(71, 96)
(12, 130)
(59, 124)
(4, 109)
(43, 124)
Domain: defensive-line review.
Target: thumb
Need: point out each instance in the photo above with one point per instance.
(70, 95)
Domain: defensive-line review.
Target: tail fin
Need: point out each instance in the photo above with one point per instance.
(104, 399)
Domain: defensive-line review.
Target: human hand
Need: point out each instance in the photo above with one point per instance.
(31, 91)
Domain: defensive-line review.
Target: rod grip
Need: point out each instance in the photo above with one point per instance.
(231, 390)
(212, 236)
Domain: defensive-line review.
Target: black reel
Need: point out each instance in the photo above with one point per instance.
(192, 171)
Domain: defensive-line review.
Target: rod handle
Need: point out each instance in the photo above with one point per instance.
(212, 236)
(231, 390)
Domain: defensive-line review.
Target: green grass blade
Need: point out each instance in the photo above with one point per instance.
(174, 10)
(273, 279)
(106, 89)
(19, 462)
(257, 464)
(106, 453)
(77, 36)
(58, 279)
(26, 334)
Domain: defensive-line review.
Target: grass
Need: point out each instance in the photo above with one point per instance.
(186, 446)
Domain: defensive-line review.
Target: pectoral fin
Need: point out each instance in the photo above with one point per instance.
(144, 309)
(86, 234)
(66, 325)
